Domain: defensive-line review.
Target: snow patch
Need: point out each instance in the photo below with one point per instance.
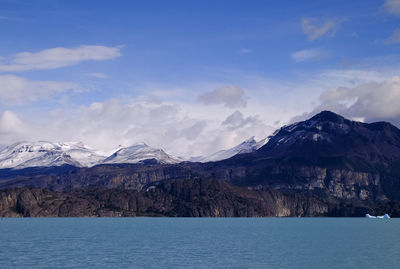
(247, 146)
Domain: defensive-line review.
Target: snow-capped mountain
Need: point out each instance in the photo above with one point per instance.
(140, 153)
(44, 153)
(320, 131)
(246, 146)
(81, 153)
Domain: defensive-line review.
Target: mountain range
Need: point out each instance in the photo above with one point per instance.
(347, 168)
(47, 154)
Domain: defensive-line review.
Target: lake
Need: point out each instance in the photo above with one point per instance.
(199, 243)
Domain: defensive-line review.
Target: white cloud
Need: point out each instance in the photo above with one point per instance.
(237, 120)
(58, 57)
(309, 55)
(315, 29)
(98, 75)
(392, 6)
(16, 90)
(11, 128)
(229, 96)
(369, 101)
(9, 122)
(394, 38)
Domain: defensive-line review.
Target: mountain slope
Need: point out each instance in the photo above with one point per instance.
(34, 154)
(326, 155)
(247, 146)
(141, 153)
(45, 154)
(330, 140)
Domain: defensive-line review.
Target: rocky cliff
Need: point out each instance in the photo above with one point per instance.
(176, 198)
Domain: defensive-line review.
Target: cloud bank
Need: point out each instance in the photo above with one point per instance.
(371, 101)
(175, 127)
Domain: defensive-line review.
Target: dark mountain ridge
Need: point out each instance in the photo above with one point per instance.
(330, 140)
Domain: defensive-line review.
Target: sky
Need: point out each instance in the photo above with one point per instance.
(192, 77)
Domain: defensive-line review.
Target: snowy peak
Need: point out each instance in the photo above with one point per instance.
(141, 153)
(246, 146)
(26, 154)
(82, 154)
(44, 153)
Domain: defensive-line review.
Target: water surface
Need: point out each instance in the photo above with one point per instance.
(199, 243)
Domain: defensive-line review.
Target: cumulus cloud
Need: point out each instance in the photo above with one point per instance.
(9, 122)
(229, 96)
(392, 6)
(190, 133)
(58, 57)
(309, 55)
(369, 101)
(11, 128)
(394, 38)
(315, 29)
(16, 90)
(237, 120)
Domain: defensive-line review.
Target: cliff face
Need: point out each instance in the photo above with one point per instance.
(322, 181)
(184, 198)
(338, 183)
(125, 176)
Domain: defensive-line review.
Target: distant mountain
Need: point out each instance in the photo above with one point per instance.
(141, 153)
(247, 146)
(46, 154)
(35, 154)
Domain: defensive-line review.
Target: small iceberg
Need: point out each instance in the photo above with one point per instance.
(386, 216)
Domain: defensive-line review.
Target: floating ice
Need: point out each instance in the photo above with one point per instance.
(386, 216)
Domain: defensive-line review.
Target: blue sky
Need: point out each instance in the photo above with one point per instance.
(172, 73)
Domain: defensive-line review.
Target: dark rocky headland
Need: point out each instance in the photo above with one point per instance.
(325, 166)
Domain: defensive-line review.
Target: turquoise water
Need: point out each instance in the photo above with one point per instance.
(199, 243)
